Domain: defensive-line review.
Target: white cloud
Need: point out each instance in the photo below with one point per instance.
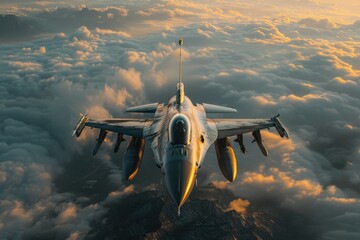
(111, 32)
(121, 10)
(131, 78)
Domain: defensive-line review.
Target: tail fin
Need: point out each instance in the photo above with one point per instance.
(180, 86)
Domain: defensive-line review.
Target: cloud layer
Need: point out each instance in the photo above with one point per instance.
(96, 62)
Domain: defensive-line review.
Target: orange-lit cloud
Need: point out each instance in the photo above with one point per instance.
(305, 98)
(20, 213)
(239, 205)
(251, 177)
(25, 65)
(67, 214)
(277, 180)
(116, 194)
(137, 57)
(221, 184)
(264, 100)
(308, 85)
(342, 200)
(344, 82)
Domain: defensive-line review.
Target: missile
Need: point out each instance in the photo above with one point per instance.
(80, 125)
(120, 138)
(279, 126)
(239, 139)
(257, 138)
(100, 140)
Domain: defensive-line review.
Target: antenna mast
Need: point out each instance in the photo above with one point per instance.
(180, 63)
(180, 85)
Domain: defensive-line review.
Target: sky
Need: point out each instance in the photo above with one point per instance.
(299, 58)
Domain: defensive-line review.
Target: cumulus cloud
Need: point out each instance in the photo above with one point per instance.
(322, 23)
(131, 77)
(111, 32)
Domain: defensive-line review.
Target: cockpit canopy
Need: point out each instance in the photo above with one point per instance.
(180, 129)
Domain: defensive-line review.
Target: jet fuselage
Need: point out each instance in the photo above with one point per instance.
(179, 137)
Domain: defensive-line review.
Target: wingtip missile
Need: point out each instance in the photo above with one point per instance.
(280, 127)
(80, 125)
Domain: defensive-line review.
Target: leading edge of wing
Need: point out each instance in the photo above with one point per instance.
(230, 127)
(127, 126)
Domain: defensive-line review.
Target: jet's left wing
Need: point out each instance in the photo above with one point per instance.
(122, 126)
(126, 126)
(232, 127)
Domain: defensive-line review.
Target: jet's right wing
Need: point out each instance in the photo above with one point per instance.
(126, 126)
(232, 127)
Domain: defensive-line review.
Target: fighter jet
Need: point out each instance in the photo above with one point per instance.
(180, 133)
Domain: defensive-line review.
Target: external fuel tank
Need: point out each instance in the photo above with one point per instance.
(226, 158)
(132, 158)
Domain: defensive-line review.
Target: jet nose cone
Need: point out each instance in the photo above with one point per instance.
(179, 180)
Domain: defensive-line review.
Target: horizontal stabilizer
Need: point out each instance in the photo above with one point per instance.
(147, 108)
(210, 108)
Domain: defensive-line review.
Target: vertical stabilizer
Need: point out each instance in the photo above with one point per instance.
(180, 86)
